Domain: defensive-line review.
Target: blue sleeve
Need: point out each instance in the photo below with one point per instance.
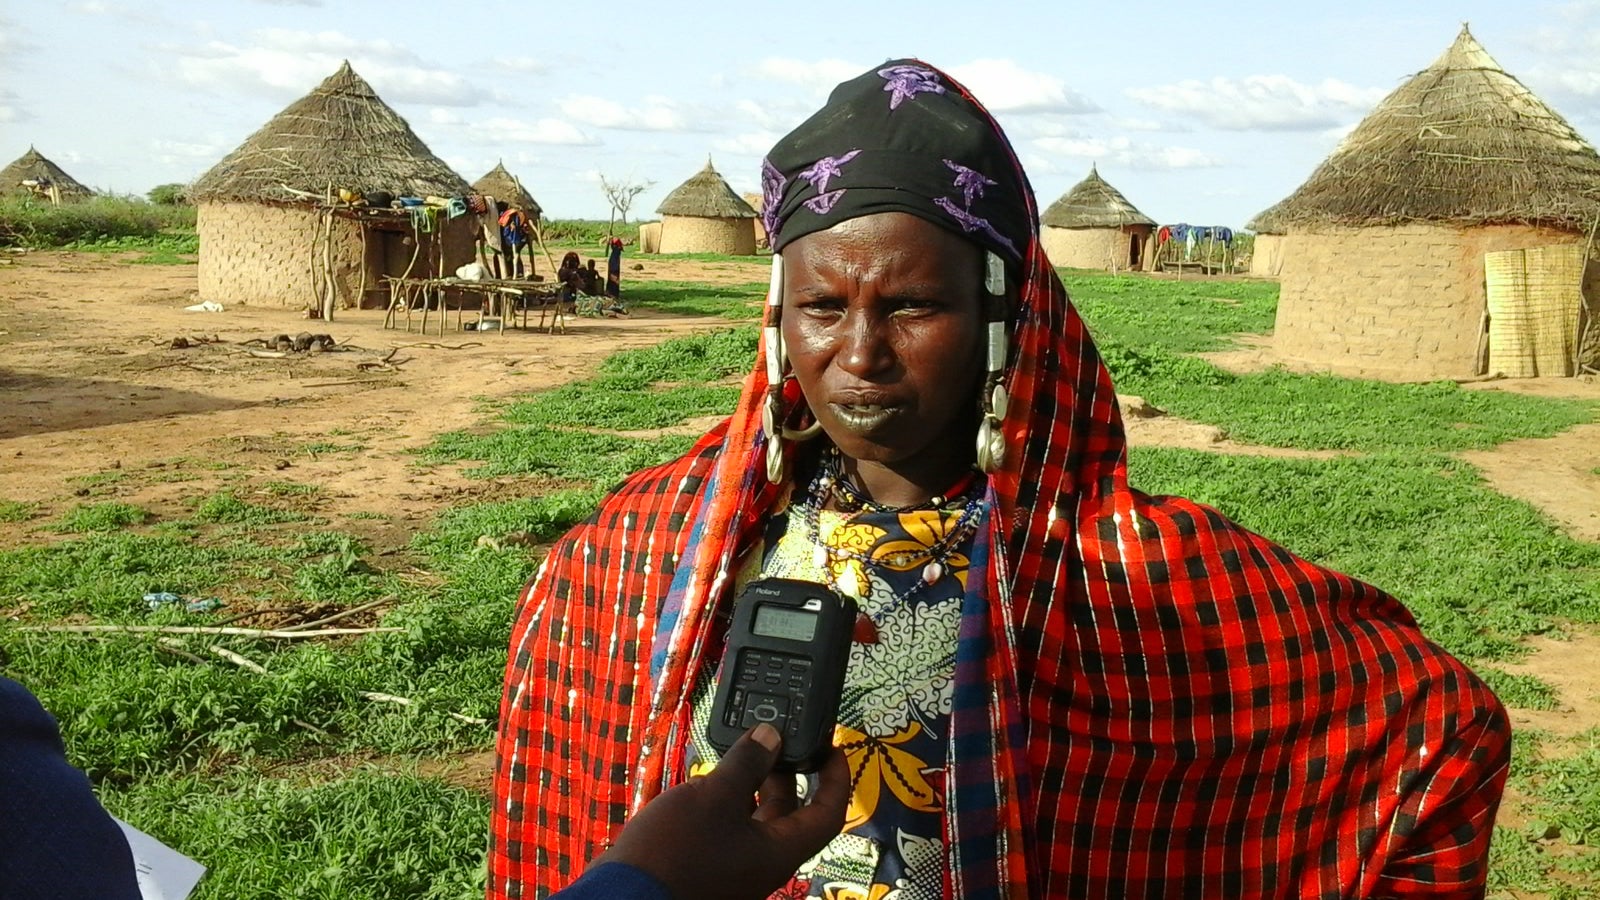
(58, 840)
(614, 881)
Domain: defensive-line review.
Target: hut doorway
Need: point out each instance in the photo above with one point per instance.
(1134, 246)
(391, 252)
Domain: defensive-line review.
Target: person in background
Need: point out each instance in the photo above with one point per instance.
(613, 246)
(1060, 686)
(514, 230)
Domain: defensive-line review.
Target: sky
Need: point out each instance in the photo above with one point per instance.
(1204, 113)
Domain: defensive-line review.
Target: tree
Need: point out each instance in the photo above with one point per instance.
(621, 194)
(169, 194)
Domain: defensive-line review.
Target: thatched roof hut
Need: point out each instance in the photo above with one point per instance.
(260, 209)
(341, 135)
(1386, 242)
(704, 215)
(1266, 253)
(507, 189)
(36, 167)
(1092, 226)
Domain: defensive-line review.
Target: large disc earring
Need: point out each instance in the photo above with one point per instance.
(993, 398)
(772, 412)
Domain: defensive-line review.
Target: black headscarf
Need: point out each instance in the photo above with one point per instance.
(898, 138)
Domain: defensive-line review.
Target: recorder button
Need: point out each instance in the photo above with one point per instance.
(772, 678)
(766, 709)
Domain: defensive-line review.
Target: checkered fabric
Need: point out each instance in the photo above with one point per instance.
(1150, 700)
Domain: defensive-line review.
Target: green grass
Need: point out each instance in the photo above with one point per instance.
(276, 838)
(741, 301)
(17, 511)
(318, 448)
(622, 404)
(290, 489)
(1325, 412)
(1480, 570)
(1556, 851)
(109, 516)
(600, 458)
(1520, 691)
(1177, 316)
(225, 508)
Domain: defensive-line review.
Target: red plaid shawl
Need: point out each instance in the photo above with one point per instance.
(1154, 701)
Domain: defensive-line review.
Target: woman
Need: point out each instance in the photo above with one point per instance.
(1060, 686)
(613, 245)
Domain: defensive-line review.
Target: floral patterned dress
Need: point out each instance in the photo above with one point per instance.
(895, 711)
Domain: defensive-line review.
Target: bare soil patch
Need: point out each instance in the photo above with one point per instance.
(1568, 664)
(89, 385)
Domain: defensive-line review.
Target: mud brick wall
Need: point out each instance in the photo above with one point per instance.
(1266, 260)
(258, 254)
(691, 234)
(1092, 248)
(262, 254)
(1402, 302)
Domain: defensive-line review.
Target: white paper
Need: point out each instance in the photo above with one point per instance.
(163, 873)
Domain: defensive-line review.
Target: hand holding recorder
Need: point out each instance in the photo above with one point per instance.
(709, 838)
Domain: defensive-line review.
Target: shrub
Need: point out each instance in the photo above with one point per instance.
(169, 194)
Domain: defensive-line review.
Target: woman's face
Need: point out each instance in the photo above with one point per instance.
(883, 322)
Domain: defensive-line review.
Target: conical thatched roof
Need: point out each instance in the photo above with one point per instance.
(507, 188)
(1460, 142)
(340, 134)
(33, 166)
(1268, 221)
(706, 196)
(1092, 203)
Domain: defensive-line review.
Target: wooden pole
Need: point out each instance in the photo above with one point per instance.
(361, 292)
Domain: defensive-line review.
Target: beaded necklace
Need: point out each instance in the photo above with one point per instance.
(830, 483)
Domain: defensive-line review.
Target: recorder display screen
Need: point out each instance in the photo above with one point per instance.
(784, 623)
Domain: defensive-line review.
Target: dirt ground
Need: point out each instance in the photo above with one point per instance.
(90, 385)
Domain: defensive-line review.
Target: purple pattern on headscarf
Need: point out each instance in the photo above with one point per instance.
(971, 223)
(971, 182)
(826, 169)
(822, 204)
(772, 187)
(905, 82)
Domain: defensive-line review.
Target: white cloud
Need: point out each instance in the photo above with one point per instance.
(526, 65)
(752, 143)
(820, 74)
(503, 130)
(284, 63)
(775, 114)
(11, 108)
(189, 152)
(1004, 86)
(1261, 102)
(1120, 151)
(441, 116)
(655, 114)
(1131, 124)
(12, 43)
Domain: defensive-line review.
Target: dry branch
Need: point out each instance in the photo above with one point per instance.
(242, 662)
(342, 614)
(377, 697)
